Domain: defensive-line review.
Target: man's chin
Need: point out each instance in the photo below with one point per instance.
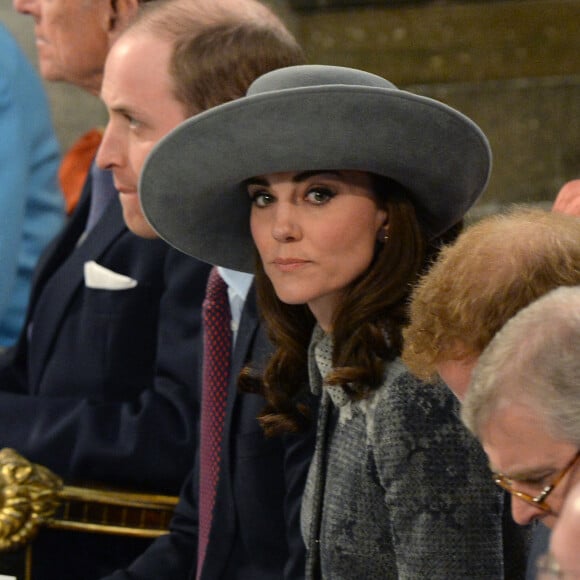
(134, 219)
(48, 71)
(141, 228)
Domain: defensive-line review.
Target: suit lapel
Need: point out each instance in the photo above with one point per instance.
(242, 349)
(61, 246)
(59, 289)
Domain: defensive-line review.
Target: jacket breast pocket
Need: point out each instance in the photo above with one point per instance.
(119, 329)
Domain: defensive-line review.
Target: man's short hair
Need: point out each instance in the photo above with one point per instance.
(496, 267)
(533, 360)
(219, 46)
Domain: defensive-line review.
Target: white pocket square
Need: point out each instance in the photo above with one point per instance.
(101, 278)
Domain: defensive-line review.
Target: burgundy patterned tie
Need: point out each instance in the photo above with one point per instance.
(216, 367)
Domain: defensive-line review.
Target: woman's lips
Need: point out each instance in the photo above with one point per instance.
(289, 264)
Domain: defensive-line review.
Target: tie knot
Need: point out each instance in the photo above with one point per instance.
(216, 306)
(217, 289)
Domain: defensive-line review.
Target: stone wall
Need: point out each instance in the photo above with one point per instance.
(511, 65)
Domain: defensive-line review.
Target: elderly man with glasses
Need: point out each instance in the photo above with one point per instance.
(539, 501)
(523, 404)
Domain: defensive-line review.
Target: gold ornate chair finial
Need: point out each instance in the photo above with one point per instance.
(28, 497)
(31, 496)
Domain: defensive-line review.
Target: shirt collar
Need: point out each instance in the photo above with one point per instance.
(238, 282)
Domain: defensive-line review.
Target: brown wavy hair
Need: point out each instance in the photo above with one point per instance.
(372, 308)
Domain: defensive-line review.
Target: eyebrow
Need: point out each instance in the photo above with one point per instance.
(298, 178)
(122, 110)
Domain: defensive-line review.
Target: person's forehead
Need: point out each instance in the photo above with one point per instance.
(511, 433)
(517, 440)
(137, 82)
(138, 58)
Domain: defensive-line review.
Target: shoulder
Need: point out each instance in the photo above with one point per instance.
(178, 261)
(15, 66)
(405, 405)
(10, 53)
(404, 395)
(417, 425)
(185, 277)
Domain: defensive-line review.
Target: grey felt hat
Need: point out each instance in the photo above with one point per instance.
(304, 118)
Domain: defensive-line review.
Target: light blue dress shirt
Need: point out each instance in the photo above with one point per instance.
(31, 203)
(239, 284)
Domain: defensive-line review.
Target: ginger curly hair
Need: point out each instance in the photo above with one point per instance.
(495, 268)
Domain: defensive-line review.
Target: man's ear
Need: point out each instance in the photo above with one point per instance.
(121, 13)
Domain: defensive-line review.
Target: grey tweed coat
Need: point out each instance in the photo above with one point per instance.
(404, 491)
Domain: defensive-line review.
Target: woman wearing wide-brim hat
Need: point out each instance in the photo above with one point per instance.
(332, 185)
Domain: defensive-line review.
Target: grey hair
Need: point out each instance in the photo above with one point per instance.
(533, 360)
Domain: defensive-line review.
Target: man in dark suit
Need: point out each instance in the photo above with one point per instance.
(103, 384)
(254, 531)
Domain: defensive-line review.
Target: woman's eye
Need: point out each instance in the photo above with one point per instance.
(319, 195)
(260, 198)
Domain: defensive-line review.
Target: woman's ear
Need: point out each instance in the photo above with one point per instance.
(383, 231)
(383, 235)
(121, 13)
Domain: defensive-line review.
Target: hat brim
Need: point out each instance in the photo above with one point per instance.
(190, 186)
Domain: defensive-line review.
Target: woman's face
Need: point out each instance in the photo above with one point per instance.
(315, 233)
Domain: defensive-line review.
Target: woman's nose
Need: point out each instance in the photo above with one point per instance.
(285, 227)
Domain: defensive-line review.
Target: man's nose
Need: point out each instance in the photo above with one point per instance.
(24, 6)
(523, 512)
(108, 154)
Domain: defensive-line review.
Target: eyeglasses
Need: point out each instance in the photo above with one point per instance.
(539, 500)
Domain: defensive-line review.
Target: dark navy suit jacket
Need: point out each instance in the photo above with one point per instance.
(255, 532)
(107, 387)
